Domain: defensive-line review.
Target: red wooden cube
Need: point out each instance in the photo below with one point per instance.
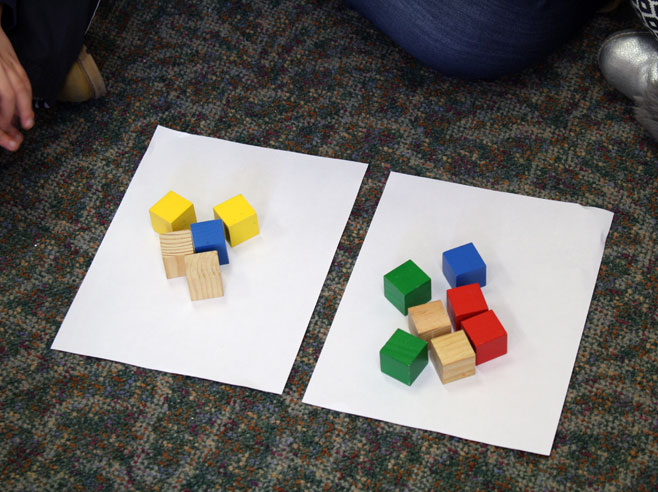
(487, 336)
(464, 302)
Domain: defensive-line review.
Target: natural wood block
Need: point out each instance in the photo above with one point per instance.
(172, 213)
(203, 275)
(452, 356)
(429, 320)
(174, 247)
(239, 218)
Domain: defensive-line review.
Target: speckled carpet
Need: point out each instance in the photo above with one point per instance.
(313, 76)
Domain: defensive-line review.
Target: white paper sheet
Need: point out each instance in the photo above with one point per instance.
(542, 262)
(127, 311)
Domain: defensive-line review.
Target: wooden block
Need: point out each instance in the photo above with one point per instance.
(430, 320)
(172, 213)
(407, 286)
(209, 236)
(464, 265)
(452, 356)
(174, 247)
(239, 218)
(403, 357)
(487, 336)
(464, 302)
(203, 275)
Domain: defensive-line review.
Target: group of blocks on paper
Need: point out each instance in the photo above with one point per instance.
(478, 334)
(197, 249)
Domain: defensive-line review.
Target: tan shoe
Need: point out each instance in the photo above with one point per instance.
(84, 80)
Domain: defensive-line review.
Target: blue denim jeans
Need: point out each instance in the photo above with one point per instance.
(477, 38)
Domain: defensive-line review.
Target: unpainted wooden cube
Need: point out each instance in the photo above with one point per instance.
(452, 356)
(204, 278)
(174, 247)
(429, 320)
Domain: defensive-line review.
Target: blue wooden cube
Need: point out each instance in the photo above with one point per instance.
(464, 266)
(209, 236)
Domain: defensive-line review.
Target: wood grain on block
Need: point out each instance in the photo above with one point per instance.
(452, 356)
(429, 320)
(204, 278)
(174, 247)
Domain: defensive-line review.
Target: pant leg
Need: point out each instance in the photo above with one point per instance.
(477, 39)
(647, 11)
(47, 36)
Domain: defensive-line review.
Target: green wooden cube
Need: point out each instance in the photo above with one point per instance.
(407, 286)
(403, 357)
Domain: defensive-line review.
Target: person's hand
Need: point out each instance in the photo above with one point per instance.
(15, 96)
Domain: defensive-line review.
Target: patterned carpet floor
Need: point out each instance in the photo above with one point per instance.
(313, 76)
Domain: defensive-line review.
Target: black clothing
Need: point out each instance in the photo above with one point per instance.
(47, 37)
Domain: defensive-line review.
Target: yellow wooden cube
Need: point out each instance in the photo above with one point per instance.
(172, 213)
(239, 218)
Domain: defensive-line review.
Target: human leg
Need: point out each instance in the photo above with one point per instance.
(477, 39)
(47, 37)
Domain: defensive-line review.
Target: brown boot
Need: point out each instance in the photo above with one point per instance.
(84, 80)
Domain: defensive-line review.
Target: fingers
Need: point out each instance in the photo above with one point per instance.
(7, 101)
(11, 140)
(23, 94)
(19, 96)
(15, 104)
(15, 93)
(23, 106)
(15, 96)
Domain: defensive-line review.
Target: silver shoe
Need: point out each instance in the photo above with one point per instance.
(629, 62)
